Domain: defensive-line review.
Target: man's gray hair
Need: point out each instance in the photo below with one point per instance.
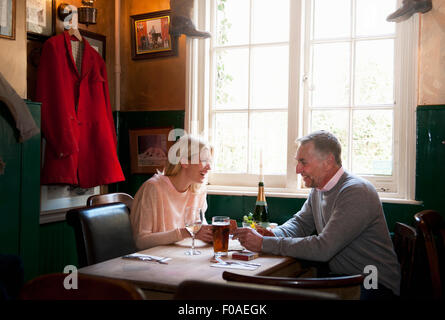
(324, 143)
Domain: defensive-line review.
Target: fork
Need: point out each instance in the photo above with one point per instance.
(148, 258)
(249, 264)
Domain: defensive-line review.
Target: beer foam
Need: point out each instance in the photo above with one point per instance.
(221, 223)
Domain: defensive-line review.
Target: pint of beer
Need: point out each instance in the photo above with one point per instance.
(221, 229)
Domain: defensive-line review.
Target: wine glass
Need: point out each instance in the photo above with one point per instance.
(193, 219)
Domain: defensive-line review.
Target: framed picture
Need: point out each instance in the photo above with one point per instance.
(149, 149)
(61, 198)
(7, 19)
(150, 35)
(97, 41)
(40, 18)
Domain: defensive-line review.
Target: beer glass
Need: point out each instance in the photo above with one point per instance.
(221, 229)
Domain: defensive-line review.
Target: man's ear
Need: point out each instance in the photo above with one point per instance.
(330, 160)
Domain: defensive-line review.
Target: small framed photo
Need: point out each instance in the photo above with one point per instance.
(56, 198)
(150, 36)
(97, 41)
(40, 18)
(149, 149)
(7, 19)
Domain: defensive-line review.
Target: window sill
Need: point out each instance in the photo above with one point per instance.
(287, 193)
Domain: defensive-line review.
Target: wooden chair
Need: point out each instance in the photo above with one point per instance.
(110, 198)
(102, 232)
(203, 290)
(346, 287)
(404, 240)
(51, 287)
(431, 226)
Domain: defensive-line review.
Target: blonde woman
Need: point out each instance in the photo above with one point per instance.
(159, 205)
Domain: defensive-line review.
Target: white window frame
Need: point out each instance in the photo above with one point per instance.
(197, 120)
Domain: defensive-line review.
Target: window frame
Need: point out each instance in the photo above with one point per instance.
(197, 120)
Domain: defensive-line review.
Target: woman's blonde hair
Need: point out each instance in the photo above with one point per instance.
(188, 143)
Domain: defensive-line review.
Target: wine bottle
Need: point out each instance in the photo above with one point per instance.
(261, 213)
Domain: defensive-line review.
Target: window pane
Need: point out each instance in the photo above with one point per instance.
(230, 142)
(270, 69)
(374, 72)
(330, 77)
(336, 122)
(332, 19)
(371, 17)
(372, 142)
(231, 78)
(270, 22)
(232, 22)
(268, 131)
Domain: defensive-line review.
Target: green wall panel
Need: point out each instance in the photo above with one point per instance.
(430, 160)
(19, 191)
(280, 209)
(30, 202)
(57, 247)
(9, 184)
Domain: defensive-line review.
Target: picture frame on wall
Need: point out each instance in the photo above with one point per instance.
(149, 149)
(150, 35)
(40, 18)
(56, 200)
(97, 41)
(7, 19)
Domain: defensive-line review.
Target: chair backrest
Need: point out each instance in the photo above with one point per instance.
(51, 287)
(110, 198)
(102, 232)
(431, 226)
(204, 290)
(346, 287)
(405, 239)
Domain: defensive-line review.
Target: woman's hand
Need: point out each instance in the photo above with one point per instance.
(205, 233)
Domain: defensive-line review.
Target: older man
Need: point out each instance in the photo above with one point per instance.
(341, 222)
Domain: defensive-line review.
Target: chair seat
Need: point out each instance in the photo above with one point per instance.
(51, 287)
(405, 240)
(431, 227)
(346, 287)
(102, 232)
(204, 290)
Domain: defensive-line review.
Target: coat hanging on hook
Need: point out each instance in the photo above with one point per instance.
(408, 8)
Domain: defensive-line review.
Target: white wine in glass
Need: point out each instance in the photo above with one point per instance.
(193, 219)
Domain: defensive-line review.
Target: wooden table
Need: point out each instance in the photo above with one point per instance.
(160, 281)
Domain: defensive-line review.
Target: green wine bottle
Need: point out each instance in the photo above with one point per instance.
(261, 213)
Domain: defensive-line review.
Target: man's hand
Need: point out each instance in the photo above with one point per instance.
(264, 232)
(249, 239)
(233, 226)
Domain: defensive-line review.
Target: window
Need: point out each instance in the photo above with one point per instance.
(274, 71)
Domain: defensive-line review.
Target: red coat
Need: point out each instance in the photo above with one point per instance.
(80, 146)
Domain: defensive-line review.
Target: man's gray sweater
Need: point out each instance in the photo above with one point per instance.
(351, 232)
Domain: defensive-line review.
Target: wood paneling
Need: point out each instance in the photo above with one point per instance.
(431, 55)
(13, 53)
(151, 84)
